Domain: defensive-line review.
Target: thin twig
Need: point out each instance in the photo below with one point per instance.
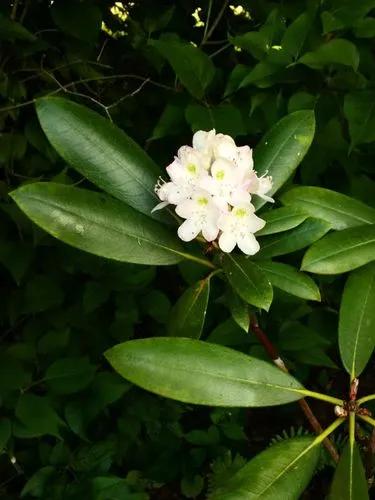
(305, 407)
(218, 51)
(217, 20)
(65, 88)
(207, 22)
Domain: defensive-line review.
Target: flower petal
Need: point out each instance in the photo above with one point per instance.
(188, 230)
(227, 242)
(248, 244)
(210, 231)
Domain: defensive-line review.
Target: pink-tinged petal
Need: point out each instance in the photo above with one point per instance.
(248, 244)
(188, 230)
(210, 231)
(185, 208)
(159, 206)
(227, 242)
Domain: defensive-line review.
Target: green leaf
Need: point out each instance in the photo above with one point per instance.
(290, 241)
(98, 224)
(357, 320)
(68, 15)
(349, 481)
(191, 65)
(336, 51)
(188, 314)
(100, 151)
(282, 149)
(339, 210)
(281, 219)
(36, 485)
(11, 30)
(248, 281)
(290, 280)
(225, 118)
(342, 251)
(37, 417)
(5, 432)
(295, 35)
(69, 375)
(359, 109)
(197, 372)
(238, 309)
(280, 472)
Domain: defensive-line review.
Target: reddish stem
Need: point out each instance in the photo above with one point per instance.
(305, 407)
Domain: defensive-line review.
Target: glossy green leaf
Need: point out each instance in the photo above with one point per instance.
(290, 280)
(336, 51)
(349, 481)
(98, 224)
(281, 219)
(342, 251)
(281, 472)
(290, 241)
(188, 314)
(282, 149)
(339, 210)
(295, 35)
(357, 320)
(191, 65)
(248, 281)
(198, 372)
(238, 309)
(359, 109)
(100, 151)
(69, 375)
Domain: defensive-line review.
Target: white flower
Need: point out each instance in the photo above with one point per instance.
(224, 147)
(203, 142)
(212, 184)
(226, 184)
(238, 227)
(201, 215)
(264, 185)
(186, 172)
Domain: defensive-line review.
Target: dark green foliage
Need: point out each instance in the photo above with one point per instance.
(295, 81)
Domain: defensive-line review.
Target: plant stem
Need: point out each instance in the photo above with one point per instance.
(323, 397)
(370, 397)
(216, 22)
(351, 428)
(305, 407)
(367, 419)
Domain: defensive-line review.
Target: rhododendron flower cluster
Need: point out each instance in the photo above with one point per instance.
(212, 184)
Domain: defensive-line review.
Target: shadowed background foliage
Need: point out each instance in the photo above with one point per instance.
(69, 426)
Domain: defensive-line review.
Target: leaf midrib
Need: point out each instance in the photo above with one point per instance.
(346, 249)
(176, 368)
(114, 159)
(334, 209)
